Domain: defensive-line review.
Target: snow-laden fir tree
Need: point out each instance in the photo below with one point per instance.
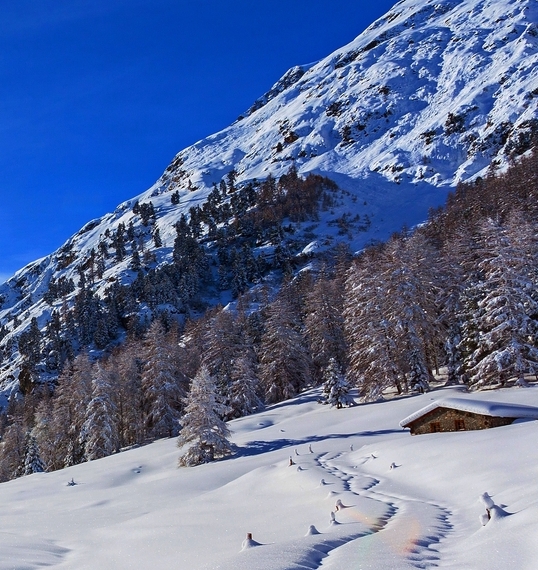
(204, 430)
(32, 460)
(12, 451)
(43, 433)
(373, 354)
(391, 319)
(506, 345)
(411, 308)
(222, 345)
(125, 374)
(335, 386)
(99, 430)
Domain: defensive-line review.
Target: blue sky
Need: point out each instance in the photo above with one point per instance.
(97, 96)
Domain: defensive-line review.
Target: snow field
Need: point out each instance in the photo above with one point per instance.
(399, 502)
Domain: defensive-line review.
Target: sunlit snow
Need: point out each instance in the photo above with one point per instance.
(360, 493)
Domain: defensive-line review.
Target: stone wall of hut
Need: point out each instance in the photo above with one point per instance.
(446, 419)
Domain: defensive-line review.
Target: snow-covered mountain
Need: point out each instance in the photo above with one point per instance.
(431, 94)
(407, 501)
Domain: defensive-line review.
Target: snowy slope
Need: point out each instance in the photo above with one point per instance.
(408, 502)
(430, 94)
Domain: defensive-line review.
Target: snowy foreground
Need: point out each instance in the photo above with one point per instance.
(409, 502)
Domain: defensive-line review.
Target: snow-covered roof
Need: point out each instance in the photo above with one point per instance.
(494, 409)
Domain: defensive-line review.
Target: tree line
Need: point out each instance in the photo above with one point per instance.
(458, 292)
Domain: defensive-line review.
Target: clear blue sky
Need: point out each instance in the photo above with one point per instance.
(97, 96)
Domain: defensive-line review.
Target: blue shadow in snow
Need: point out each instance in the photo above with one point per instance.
(258, 447)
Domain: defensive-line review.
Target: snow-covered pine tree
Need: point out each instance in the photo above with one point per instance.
(203, 426)
(391, 319)
(125, 372)
(99, 431)
(373, 354)
(42, 432)
(32, 460)
(12, 451)
(335, 387)
(412, 309)
(222, 344)
(506, 346)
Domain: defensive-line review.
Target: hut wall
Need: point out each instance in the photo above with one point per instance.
(446, 419)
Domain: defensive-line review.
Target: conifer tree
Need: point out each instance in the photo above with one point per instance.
(335, 387)
(125, 368)
(12, 451)
(32, 460)
(507, 325)
(243, 392)
(324, 324)
(373, 355)
(203, 426)
(71, 399)
(44, 436)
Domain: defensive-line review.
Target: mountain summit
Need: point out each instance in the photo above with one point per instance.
(431, 94)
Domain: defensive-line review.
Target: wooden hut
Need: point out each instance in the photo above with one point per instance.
(460, 414)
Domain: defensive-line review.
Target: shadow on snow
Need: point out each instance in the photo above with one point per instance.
(259, 447)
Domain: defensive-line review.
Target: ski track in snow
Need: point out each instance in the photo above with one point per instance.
(421, 550)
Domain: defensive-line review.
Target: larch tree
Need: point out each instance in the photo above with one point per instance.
(373, 353)
(125, 368)
(243, 394)
(43, 434)
(285, 364)
(13, 451)
(99, 429)
(324, 323)
(70, 401)
(391, 320)
(160, 383)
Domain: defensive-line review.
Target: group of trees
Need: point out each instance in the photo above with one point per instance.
(216, 248)
(459, 292)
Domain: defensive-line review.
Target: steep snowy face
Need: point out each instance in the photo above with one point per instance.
(433, 91)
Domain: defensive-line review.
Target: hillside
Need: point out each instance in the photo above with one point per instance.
(137, 509)
(431, 94)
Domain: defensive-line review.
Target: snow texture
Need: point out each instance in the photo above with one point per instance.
(137, 510)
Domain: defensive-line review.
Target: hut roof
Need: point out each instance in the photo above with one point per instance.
(480, 407)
